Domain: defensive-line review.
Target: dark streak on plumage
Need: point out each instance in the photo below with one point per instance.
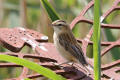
(68, 41)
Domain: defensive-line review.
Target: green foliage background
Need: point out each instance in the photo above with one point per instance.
(35, 17)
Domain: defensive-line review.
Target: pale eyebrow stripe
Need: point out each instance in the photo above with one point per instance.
(63, 21)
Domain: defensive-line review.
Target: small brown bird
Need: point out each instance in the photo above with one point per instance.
(67, 45)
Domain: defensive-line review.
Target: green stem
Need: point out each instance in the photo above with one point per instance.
(96, 41)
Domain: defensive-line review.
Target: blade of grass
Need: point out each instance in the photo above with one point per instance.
(76, 31)
(50, 10)
(111, 37)
(114, 51)
(27, 79)
(96, 41)
(33, 66)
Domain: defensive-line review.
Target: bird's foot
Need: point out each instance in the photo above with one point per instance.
(56, 64)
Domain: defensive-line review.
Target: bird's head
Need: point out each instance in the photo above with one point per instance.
(60, 26)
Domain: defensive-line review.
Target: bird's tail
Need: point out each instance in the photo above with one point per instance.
(88, 67)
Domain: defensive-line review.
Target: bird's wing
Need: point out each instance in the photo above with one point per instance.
(70, 44)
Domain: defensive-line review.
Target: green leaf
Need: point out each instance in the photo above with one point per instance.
(76, 31)
(71, 2)
(27, 79)
(114, 51)
(33, 66)
(110, 36)
(51, 12)
(96, 41)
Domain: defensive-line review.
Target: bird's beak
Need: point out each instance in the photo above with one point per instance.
(52, 24)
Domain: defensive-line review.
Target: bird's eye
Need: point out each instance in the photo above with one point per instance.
(59, 24)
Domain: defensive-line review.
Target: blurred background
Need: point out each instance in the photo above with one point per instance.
(31, 14)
